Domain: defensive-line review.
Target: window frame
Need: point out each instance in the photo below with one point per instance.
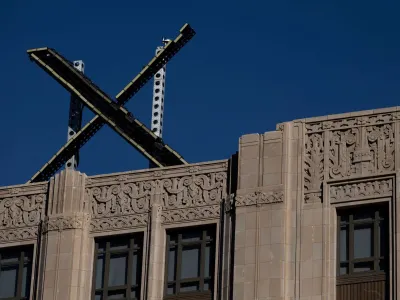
(25, 258)
(380, 213)
(207, 229)
(135, 244)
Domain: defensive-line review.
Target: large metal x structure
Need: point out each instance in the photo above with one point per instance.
(108, 111)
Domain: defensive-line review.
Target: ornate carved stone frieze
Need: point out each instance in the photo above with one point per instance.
(190, 214)
(18, 234)
(376, 188)
(361, 151)
(194, 169)
(158, 173)
(63, 222)
(344, 123)
(123, 178)
(313, 197)
(341, 152)
(195, 190)
(119, 199)
(354, 147)
(121, 222)
(314, 167)
(15, 191)
(159, 211)
(24, 190)
(149, 175)
(194, 197)
(259, 198)
(124, 204)
(21, 211)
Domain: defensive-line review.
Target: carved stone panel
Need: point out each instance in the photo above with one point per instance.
(361, 151)
(342, 152)
(314, 166)
(120, 205)
(62, 222)
(353, 147)
(349, 122)
(21, 211)
(355, 191)
(194, 197)
(195, 190)
(196, 194)
(120, 199)
(190, 214)
(259, 197)
(115, 223)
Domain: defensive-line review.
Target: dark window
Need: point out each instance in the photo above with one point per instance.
(15, 273)
(362, 240)
(118, 267)
(190, 261)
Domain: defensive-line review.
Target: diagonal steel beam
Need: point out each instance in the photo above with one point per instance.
(123, 122)
(81, 137)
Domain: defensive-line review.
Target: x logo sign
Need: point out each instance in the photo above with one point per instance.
(107, 110)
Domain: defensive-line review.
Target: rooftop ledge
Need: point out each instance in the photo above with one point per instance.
(138, 175)
(343, 115)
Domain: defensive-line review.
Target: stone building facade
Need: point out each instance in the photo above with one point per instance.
(306, 212)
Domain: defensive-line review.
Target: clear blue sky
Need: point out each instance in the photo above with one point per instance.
(250, 66)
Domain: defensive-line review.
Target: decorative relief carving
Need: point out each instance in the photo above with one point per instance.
(117, 205)
(349, 122)
(195, 190)
(14, 191)
(360, 190)
(194, 169)
(193, 197)
(361, 151)
(119, 199)
(313, 197)
(396, 116)
(259, 198)
(341, 152)
(381, 145)
(18, 234)
(159, 211)
(158, 173)
(314, 167)
(190, 214)
(358, 146)
(60, 223)
(21, 211)
(123, 178)
(24, 190)
(120, 222)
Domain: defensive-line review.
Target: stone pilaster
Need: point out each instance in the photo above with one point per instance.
(260, 229)
(157, 252)
(66, 248)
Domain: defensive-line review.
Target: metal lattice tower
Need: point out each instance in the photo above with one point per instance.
(75, 119)
(157, 115)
